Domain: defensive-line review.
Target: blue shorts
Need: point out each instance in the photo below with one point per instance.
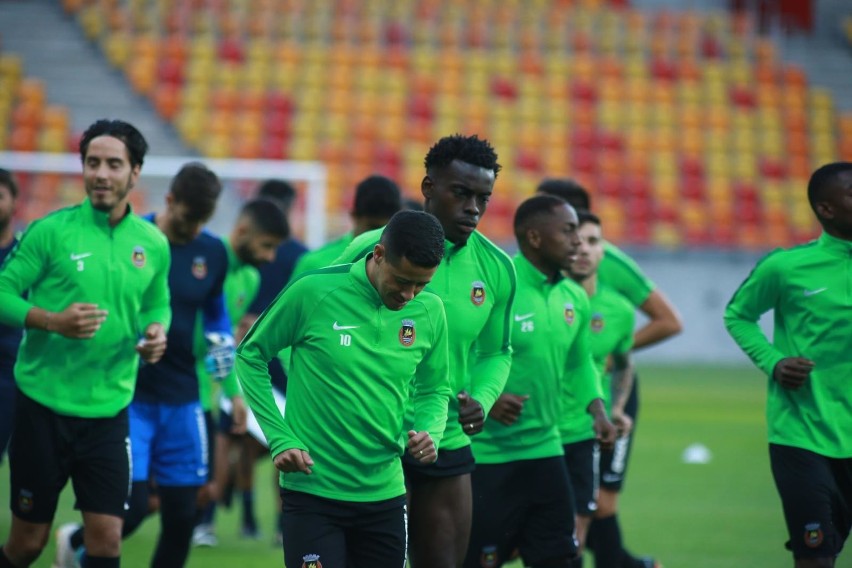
(169, 443)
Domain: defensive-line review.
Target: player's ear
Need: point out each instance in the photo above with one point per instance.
(824, 210)
(379, 253)
(533, 237)
(426, 187)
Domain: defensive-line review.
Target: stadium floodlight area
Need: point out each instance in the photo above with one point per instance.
(309, 220)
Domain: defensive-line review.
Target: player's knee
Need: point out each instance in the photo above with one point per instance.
(24, 548)
(103, 539)
(607, 504)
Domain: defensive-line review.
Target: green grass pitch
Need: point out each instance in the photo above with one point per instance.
(723, 513)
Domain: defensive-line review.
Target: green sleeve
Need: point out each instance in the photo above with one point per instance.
(432, 384)
(22, 268)
(156, 307)
(581, 366)
(756, 295)
(490, 370)
(277, 328)
(621, 272)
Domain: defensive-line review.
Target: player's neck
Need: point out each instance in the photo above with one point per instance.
(590, 284)
(6, 235)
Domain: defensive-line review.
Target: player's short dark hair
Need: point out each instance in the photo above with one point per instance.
(136, 144)
(415, 235)
(530, 212)
(823, 177)
(376, 196)
(7, 179)
(266, 217)
(584, 216)
(279, 190)
(198, 187)
(468, 149)
(568, 189)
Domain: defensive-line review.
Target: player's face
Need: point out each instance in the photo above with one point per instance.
(558, 242)
(7, 207)
(589, 253)
(257, 248)
(107, 173)
(399, 282)
(180, 223)
(458, 196)
(837, 205)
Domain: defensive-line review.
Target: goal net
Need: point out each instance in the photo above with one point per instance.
(50, 181)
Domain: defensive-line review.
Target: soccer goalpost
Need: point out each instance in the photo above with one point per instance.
(309, 220)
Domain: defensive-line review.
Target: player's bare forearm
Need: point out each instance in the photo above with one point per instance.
(622, 382)
(664, 321)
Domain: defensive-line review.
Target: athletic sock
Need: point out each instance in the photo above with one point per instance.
(4, 560)
(249, 520)
(100, 562)
(607, 541)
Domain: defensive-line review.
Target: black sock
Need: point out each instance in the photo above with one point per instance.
(608, 547)
(4, 560)
(100, 562)
(249, 520)
(630, 561)
(137, 508)
(177, 519)
(208, 514)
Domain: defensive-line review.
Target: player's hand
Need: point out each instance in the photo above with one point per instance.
(152, 346)
(471, 414)
(508, 408)
(605, 431)
(221, 354)
(792, 372)
(77, 321)
(239, 412)
(622, 422)
(421, 447)
(293, 461)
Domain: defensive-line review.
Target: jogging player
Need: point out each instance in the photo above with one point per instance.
(97, 277)
(808, 366)
(358, 334)
(522, 495)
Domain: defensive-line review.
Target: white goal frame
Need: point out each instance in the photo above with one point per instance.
(157, 170)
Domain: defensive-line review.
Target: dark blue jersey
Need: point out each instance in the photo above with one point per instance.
(275, 275)
(195, 281)
(10, 337)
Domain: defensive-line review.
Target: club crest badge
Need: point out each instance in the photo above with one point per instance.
(406, 333)
(488, 558)
(569, 313)
(477, 293)
(138, 257)
(199, 267)
(311, 561)
(813, 535)
(597, 322)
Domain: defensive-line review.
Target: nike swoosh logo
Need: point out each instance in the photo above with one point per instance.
(815, 292)
(80, 256)
(523, 317)
(338, 327)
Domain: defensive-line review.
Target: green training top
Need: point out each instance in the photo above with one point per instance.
(612, 322)
(550, 355)
(352, 365)
(73, 255)
(623, 274)
(476, 281)
(241, 285)
(809, 287)
(323, 256)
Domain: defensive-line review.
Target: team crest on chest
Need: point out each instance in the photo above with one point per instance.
(311, 561)
(138, 257)
(477, 293)
(406, 333)
(597, 322)
(199, 267)
(569, 313)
